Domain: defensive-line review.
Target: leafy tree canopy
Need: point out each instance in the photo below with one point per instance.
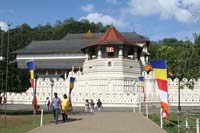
(182, 56)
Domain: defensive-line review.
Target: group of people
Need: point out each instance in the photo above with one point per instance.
(90, 106)
(57, 105)
(64, 104)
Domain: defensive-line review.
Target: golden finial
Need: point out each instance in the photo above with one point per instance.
(88, 34)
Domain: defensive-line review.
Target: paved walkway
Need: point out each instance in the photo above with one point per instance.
(103, 122)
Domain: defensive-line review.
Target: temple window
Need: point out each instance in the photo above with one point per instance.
(110, 51)
(109, 64)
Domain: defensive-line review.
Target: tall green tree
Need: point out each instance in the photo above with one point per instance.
(182, 56)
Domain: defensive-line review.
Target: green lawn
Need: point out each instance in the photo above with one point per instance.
(170, 125)
(21, 121)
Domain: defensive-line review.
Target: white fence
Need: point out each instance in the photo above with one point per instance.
(113, 93)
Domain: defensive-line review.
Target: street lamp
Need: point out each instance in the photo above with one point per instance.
(52, 84)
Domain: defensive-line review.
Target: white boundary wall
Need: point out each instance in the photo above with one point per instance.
(113, 93)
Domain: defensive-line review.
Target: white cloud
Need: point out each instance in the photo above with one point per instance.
(112, 1)
(88, 8)
(3, 26)
(185, 11)
(104, 19)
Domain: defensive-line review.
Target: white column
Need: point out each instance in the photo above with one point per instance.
(99, 53)
(197, 126)
(87, 56)
(41, 118)
(161, 118)
(65, 75)
(135, 55)
(120, 53)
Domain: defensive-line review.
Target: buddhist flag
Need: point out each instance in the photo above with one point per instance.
(72, 79)
(141, 79)
(30, 65)
(32, 83)
(160, 71)
(32, 79)
(31, 74)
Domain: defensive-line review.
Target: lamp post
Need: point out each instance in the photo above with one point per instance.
(6, 88)
(179, 97)
(52, 84)
(2, 60)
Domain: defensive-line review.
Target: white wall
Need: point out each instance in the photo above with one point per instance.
(116, 93)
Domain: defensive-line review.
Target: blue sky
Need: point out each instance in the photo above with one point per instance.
(156, 19)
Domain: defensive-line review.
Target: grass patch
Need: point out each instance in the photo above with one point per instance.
(170, 125)
(21, 121)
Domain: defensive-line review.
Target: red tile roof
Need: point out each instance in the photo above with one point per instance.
(111, 37)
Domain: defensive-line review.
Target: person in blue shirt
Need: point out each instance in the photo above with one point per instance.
(56, 103)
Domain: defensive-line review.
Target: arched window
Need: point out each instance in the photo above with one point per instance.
(109, 64)
(110, 51)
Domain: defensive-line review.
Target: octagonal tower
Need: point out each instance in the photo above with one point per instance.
(111, 57)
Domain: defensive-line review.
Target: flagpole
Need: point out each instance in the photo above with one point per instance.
(2, 65)
(161, 118)
(6, 88)
(179, 97)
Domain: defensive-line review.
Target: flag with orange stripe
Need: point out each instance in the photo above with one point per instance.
(160, 71)
(30, 66)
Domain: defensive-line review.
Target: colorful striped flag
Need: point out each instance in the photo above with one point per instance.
(30, 65)
(160, 71)
(141, 79)
(71, 86)
(72, 79)
(32, 83)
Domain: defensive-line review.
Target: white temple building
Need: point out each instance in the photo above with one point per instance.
(106, 66)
